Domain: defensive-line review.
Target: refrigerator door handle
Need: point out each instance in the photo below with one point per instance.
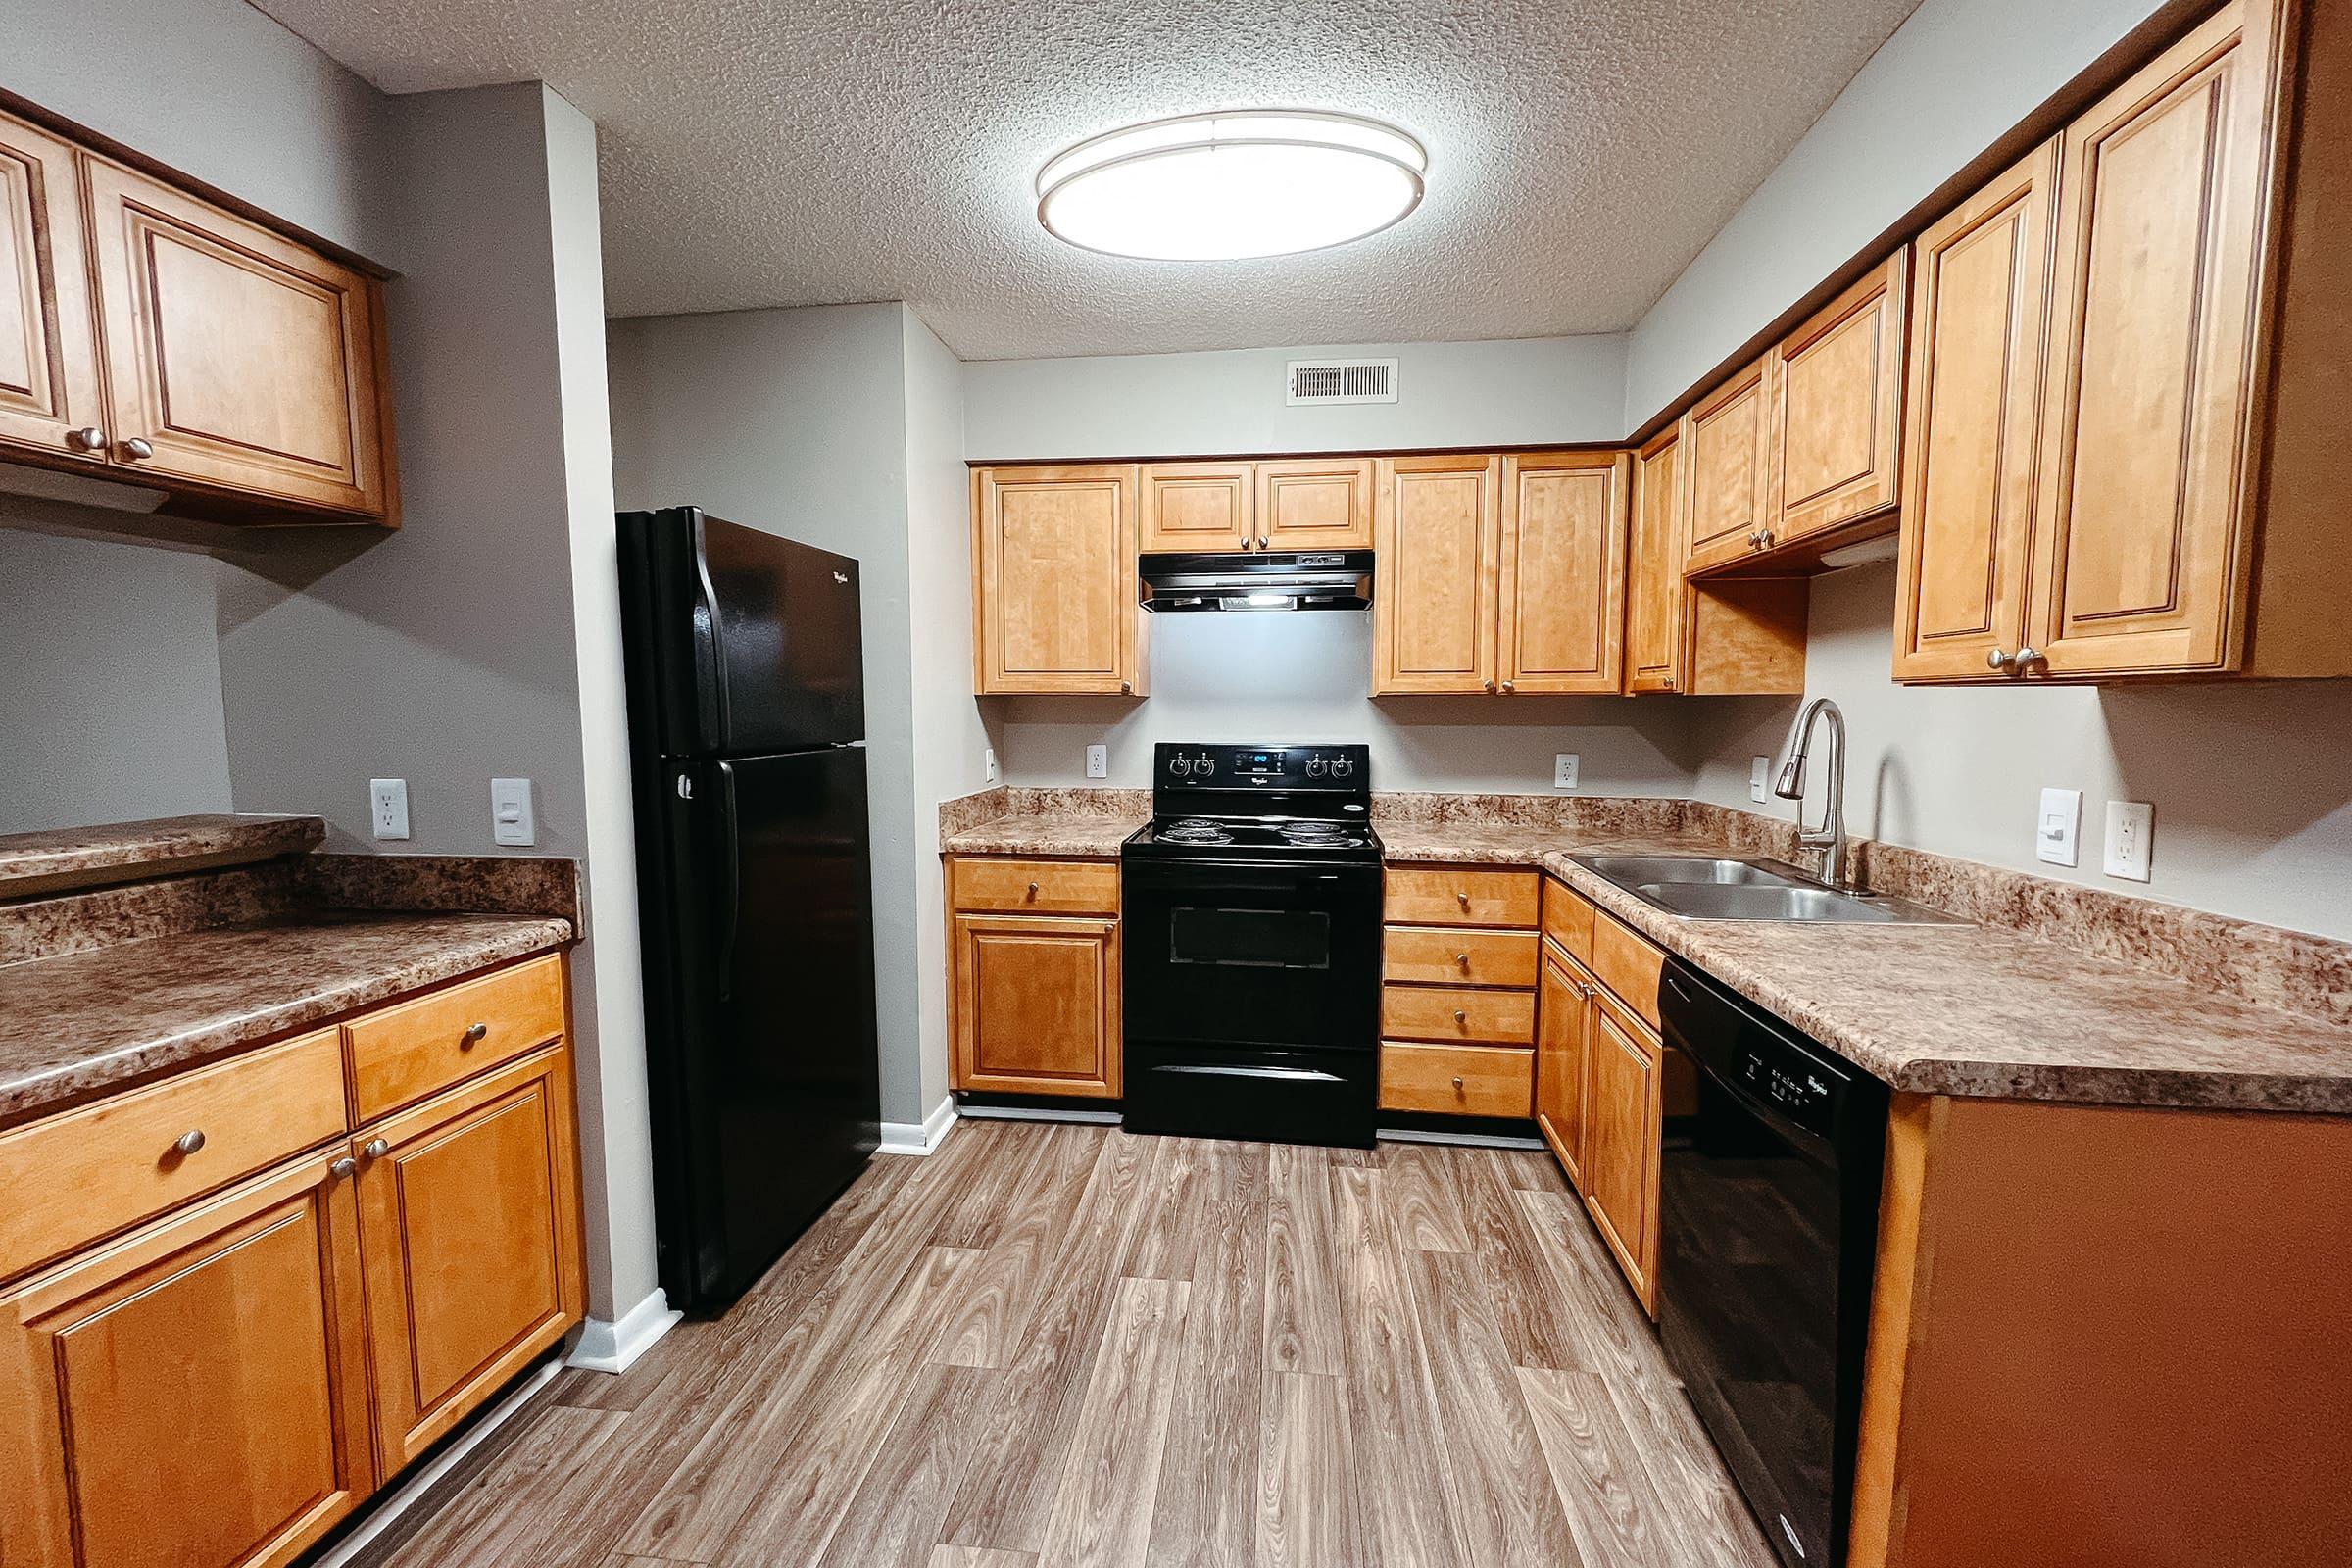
(734, 859)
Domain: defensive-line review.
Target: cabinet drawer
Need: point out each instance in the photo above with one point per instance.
(1423, 956)
(1436, 895)
(1034, 887)
(90, 1172)
(1451, 1013)
(1628, 964)
(1456, 1080)
(1568, 919)
(403, 1053)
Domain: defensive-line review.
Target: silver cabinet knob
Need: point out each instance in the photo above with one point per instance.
(1511, 686)
(1032, 890)
(2030, 656)
(1457, 1080)
(1489, 686)
(1463, 899)
(1126, 688)
(1459, 1016)
(189, 1142)
(1262, 541)
(474, 1034)
(343, 1168)
(139, 449)
(1765, 538)
(1996, 658)
(89, 438)
(375, 1148)
(1462, 958)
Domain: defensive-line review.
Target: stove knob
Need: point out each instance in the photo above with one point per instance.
(1204, 765)
(1342, 766)
(1180, 766)
(1315, 766)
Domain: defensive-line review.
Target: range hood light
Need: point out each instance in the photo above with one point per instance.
(1269, 602)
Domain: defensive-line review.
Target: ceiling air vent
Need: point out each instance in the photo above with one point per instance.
(1342, 381)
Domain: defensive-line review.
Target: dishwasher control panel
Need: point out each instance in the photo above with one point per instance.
(1789, 1085)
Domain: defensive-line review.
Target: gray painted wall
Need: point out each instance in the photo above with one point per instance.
(1518, 392)
(109, 683)
(794, 421)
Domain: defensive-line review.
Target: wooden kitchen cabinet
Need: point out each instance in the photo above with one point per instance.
(1834, 392)
(1054, 590)
(51, 393)
(196, 1392)
(1655, 594)
(1726, 464)
(1714, 637)
(1436, 525)
(469, 1225)
(1622, 1109)
(1563, 1032)
(1560, 598)
(1314, 504)
(1036, 1003)
(1200, 506)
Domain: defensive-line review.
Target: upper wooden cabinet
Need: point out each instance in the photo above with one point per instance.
(1979, 304)
(1200, 506)
(1560, 600)
(1314, 504)
(1717, 636)
(1654, 552)
(50, 392)
(1436, 522)
(1054, 590)
(1834, 392)
(175, 344)
(1726, 463)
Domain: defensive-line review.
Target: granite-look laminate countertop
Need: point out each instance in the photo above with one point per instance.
(1474, 843)
(1060, 835)
(86, 1023)
(78, 857)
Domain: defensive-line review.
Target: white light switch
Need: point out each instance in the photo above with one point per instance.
(389, 807)
(1097, 762)
(1759, 777)
(988, 763)
(512, 819)
(1565, 767)
(2131, 824)
(2059, 826)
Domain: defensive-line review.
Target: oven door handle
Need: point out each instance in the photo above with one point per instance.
(1288, 1074)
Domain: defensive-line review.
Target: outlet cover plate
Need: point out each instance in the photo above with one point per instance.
(2057, 831)
(1097, 762)
(1759, 778)
(2130, 826)
(389, 807)
(1565, 766)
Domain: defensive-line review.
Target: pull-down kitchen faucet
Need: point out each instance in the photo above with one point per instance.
(1829, 837)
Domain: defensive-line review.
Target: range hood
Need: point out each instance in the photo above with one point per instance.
(1277, 579)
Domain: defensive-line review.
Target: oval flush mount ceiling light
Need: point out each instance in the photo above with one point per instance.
(1233, 185)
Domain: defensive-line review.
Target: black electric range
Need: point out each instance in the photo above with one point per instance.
(1251, 931)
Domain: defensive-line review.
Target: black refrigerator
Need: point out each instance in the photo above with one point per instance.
(747, 706)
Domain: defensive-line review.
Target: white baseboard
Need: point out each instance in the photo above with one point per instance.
(919, 1136)
(386, 1511)
(1039, 1113)
(1411, 1135)
(616, 1347)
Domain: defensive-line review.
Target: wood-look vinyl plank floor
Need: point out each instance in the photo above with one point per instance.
(1051, 1344)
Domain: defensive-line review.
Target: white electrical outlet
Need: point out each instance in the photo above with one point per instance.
(1759, 778)
(389, 807)
(512, 817)
(988, 763)
(2059, 826)
(1564, 765)
(1097, 762)
(2130, 825)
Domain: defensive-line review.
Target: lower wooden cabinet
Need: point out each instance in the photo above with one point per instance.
(470, 1224)
(1037, 1005)
(195, 1394)
(1620, 1164)
(1563, 1028)
(1454, 1080)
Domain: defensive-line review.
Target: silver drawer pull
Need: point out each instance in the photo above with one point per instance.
(1457, 1080)
(189, 1142)
(343, 1168)
(474, 1032)
(1463, 899)
(375, 1148)
(1462, 958)
(1459, 1016)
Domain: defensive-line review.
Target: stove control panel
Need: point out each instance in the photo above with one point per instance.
(1336, 769)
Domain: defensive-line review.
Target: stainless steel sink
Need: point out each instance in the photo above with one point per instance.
(1705, 888)
(1645, 870)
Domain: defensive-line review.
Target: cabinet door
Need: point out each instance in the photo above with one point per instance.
(1037, 1005)
(2142, 543)
(1314, 504)
(1560, 616)
(194, 1396)
(1053, 560)
(1198, 505)
(1437, 524)
(470, 1221)
(49, 383)
(1726, 468)
(1836, 395)
(1655, 597)
(1621, 1140)
(1563, 1031)
(1981, 295)
(238, 357)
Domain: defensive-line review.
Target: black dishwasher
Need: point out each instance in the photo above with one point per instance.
(1768, 1214)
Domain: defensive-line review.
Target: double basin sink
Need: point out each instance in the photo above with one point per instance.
(1702, 888)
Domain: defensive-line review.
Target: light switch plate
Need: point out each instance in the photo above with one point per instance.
(2058, 829)
(1564, 769)
(988, 763)
(1759, 778)
(2130, 826)
(1097, 762)
(389, 807)
(513, 821)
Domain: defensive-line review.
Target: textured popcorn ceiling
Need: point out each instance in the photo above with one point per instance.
(759, 153)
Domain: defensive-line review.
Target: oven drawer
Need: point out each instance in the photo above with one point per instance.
(1427, 956)
(1033, 887)
(1454, 1014)
(1440, 895)
(1456, 1080)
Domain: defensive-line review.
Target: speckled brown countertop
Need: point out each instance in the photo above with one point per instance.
(1061, 835)
(78, 857)
(85, 1024)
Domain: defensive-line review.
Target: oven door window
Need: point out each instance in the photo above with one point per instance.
(1202, 937)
